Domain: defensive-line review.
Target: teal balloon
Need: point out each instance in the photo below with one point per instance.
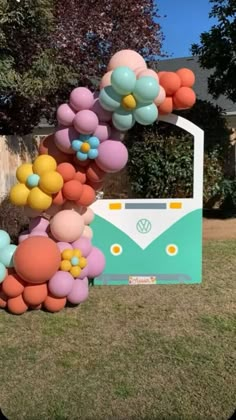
(146, 114)
(123, 120)
(6, 255)
(3, 272)
(4, 239)
(33, 180)
(123, 80)
(146, 89)
(109, 99)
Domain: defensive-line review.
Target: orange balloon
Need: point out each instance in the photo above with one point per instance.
(171, 82)
(184, 98)
(94, 173)
(37, 259)
(48, 147)
(3, 300)
(66, 170)
(35, 294)
(160, 74)
(13, 285)
(72, 190)
(58, 199)
(187, 77)
(166, 107)
(17, 305)
(81, 175)
(87, 197)
(53, 304)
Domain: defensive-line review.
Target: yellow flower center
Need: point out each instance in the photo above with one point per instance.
(129, 102)
(85, 148)
(73, 262)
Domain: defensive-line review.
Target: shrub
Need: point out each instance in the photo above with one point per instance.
(12, 219)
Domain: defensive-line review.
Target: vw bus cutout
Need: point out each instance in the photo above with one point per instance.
(153, 241)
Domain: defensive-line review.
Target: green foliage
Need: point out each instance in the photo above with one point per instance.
(217, 49)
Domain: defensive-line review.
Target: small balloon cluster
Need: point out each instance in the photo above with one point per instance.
(54, 260)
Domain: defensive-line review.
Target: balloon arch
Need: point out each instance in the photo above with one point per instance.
(55, 258)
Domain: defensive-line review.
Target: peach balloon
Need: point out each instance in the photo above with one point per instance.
(166, 107)
(161, 97)
(106, 80)
(67, 226)
(37, 259)
(87, 232)
(17, 305)
(187, 77)
(139, 69)
(35, 294)
(148, 72)
(13, 285)
(87, 214)
(128, 58)
(53, 304)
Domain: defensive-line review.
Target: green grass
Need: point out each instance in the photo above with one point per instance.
(141, 352)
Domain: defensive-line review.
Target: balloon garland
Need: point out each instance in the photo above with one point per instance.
(55, 258)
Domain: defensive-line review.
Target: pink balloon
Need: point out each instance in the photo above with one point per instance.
(84, 273)
(161, 97)
(106, 80)
(67, 226)
(148, 72)
(84, 244)
(79, 292)
(36, 232)
(63, 138)
(128, 58)
(102, 114)
(113, 156)
(64, 245)
(65, 115)
(61, 284)
(85, 122)
(81, 98)
(39, 223)
(96, 263)
(24, 235)
(102, 132)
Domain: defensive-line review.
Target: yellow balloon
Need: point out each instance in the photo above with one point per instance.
(19, 195)
(65, 265)
(23, 172)
(77, 253)
(38, 200)
(75, 271)
(44, 163)
(51, 182)
(82, 262)
(67, 254)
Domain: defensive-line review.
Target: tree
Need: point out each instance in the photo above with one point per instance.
(31, 74)
(89, 32)
(217, 49)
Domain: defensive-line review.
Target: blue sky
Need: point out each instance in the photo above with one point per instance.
(185, 21)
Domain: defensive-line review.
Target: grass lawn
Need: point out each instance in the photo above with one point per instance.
(142, 352)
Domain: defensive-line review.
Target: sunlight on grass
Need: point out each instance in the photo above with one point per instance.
(146, 352)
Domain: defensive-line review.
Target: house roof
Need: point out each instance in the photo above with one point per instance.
(200, 87)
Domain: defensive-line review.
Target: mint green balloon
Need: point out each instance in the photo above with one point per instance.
(146, 89)
(6, 255)
(123, 120)
(109, 99)
(146, 114)
(123, 80)
(3, 272)
(4, 239)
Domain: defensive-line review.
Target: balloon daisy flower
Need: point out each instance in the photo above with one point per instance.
(130, 99)
(37, 183)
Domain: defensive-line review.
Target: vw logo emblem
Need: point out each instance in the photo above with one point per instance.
(144, 226)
